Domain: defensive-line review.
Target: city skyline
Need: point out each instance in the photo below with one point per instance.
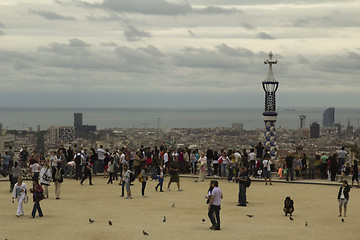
(204, 53)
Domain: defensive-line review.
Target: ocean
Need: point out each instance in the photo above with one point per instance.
(152, 117)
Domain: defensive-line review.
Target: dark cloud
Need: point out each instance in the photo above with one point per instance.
(109, 44)
(217, 10)
(104, 18)
(51, 15)
(247, 26)
(264, 35)
(133, 34)
(347, 63)
(240, 52)
(192, 34)
(74, 47)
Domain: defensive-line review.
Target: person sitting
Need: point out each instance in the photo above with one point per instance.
(345, 171)
(288, 206)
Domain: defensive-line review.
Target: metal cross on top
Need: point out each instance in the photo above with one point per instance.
(270, 61)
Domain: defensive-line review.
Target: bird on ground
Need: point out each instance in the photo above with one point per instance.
(306, 224)
(250, 216)
(110, 223)
(145, 233)
(173, 205)
(91, 221)
(291, 218)
(164, 219)
(203, 220)
(342, 220)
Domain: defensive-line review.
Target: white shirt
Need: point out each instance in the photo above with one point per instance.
(101, 154)
(202, 160)
(267, 164)
(237, 156)
(252, 156)
(166, 157)
(216, 192)
(35, 167)
(122, 158)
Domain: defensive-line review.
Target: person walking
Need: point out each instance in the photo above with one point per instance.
(252, 158)
(15, 172)
(160, 178)
(58, 173)
(38, 195)
(19, 192)
(174, 174)
(202, 161)
(209, 157)
(101, 157)
(215, 205)
(111, 170)
(143, 178)
(87, 172)
(343, 197)
(45, 178)
(267, 168)
(355, 176)
(242, 178)
(35, 170)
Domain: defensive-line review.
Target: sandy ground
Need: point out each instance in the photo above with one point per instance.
(67, 218)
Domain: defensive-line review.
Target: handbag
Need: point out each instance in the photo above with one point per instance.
(26, 199)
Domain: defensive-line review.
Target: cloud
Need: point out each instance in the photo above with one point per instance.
(247, 26)
(109, 44)
(2, 32)
(104, 18)
(217, 10)
(192, 34)
(74, 47)
(133, 34)
(264, 35)
(1, 25)
(51, 15)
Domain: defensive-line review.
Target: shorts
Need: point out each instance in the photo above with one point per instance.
(127, 186)
(174, 178)
(267, 174)
(343, 202)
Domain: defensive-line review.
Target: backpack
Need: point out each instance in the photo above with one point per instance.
(248, 182)
(78, 159)
(132, 177)
(58, 174)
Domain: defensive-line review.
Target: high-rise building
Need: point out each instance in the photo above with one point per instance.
(302, 121)
(314, 130)
(270, 85)
(329, 117)
(78, 122)
(61, 134)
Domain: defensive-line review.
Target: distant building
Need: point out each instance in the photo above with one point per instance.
(329, 117)
(78, 121)
(302, 121)
(61, 134)
(349, 128)
(6, 140)
(315, 130)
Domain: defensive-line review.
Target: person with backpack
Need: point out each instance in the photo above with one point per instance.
(126, 180)
(58, 173)
(243, 181)
(38, 195)
(267, 168)
(45, 178)
(78, 158)
(87, 171)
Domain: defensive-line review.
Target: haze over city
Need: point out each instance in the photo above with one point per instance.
(177, 53)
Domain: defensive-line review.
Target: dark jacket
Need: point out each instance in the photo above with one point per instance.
(288, 204)
(38, 193)
(54, 172)
(346, 192)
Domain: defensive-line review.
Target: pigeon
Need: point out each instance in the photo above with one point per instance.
(291, 218)
(164, 220)
(342, 220)
(145, 233)
(91, 221)
(306, 224)
(173, 205)
(110, 223)
(203, 220)
(250, 216)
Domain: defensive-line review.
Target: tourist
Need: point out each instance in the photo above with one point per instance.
(304, 166)
(54, 160)
(126, 181)
(143, 178)
(45, 178)
(111, 170)
(224, 161)
(78, 159)
(267, 168)
(16, 173)
(19, 192)
(324, 164)
(35, 170)
(242, 179)
(12, 155)
(288, 206)
(137, 162)
(252, 158)
(215, 205)
(209, 157)
(87, 171)
(202, 161)
(62, 160)
(216, 163)
(341, 157)
(312, 166)
(345, 171)
(259, 151)
(289, 167)
(58, 173)
(106, 164)
(192, 162)
(343, 197)
(101, 157)
(160, 178)
(333, 167)
(166, 161)
(23, 155)
(297, 166)
(38, 195)
(355, 176)
(6, 162)
(174, 174)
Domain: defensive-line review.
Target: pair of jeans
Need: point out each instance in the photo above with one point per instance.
(78, 172)
(252, 167)
(224, 170)
(194, 167)
(95, 166)
(216, 166)
(86, 175)
(311, 173)
(242, 195)
(143, 185)
(111, 176)
(38, 208)
(208, 162)
(161, 181)
(216, 209)
(231, 174)
(291, 173)
(101, 166)
(323, 171)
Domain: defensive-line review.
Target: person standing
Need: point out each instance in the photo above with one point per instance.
(259, 151)
(35, 170)
(160, 178)
(87, 172)
(15, 172)
(355, 176)
(215, 205)
(289, 167)
(111, 170)
(209, 157)
(216, 163)
(143, 178)
(333, 167)
(242, 178)
(45, 178)
(174, 174)
(12, 155)
(341, 158)
(78, 159)
(6, 162)
(267, 169)
(23, 155)
(202, 161)
(101, 157)
(126, 181)
(58, 173)
(323, 167)
(252, 158)
(19, 192)
(343, 197)
(38, 195)
(311, 161)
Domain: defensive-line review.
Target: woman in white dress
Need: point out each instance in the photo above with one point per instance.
(19, 193)
(45, 178)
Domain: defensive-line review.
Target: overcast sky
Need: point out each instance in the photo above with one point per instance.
(177, 52)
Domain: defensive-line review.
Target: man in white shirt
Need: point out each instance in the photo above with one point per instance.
(267, 168)
(252, 159)
(215, 205)
(101, 157)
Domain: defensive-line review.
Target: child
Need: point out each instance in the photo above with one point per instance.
(355, 176)
(288, 206)
(343, 197)
(111, 170)
(160, 178)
